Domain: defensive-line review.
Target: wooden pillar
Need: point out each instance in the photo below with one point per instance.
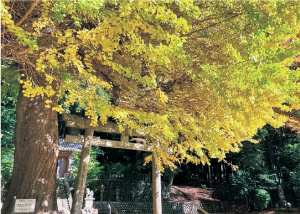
(82, 172)
(156, 188)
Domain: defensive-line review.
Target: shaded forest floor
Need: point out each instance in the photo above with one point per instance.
(216, 194)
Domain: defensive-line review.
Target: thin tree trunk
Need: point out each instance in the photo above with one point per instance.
(221, 172)
(170, 181)
(36, 151)
(228, 168)
(209, 176)
(215, 165)
(247, 201)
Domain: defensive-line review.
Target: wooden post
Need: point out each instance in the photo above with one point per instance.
(36, 208)
(109, 209)
(156, 188)
(82, 172)
(13, 206)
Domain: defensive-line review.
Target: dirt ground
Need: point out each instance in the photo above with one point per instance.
(196, 194)
(217, 194)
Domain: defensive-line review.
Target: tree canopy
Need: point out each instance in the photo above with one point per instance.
(199, 76)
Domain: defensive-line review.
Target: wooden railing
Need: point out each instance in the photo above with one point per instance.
(111, 177)
(145, 177)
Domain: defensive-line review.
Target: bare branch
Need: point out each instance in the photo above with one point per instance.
(40, 48)
(28, 12)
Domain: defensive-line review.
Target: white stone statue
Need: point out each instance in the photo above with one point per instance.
(89, 193)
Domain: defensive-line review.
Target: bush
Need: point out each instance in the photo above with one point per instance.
(262, 198)
(241, 185)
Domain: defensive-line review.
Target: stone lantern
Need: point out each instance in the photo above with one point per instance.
(101, 191)
(117, 194)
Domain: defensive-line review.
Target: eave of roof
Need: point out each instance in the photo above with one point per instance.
(65, 146)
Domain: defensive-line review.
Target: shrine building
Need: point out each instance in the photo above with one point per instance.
(65, 158)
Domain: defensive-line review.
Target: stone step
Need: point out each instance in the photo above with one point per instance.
(62, 201)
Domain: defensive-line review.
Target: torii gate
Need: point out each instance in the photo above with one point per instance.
(88, 140)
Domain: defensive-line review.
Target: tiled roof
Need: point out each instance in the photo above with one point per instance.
(69, 146)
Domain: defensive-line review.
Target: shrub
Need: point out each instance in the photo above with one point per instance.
(262, 198)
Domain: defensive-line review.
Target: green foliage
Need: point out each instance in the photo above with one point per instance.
(262, 198)
(8, 120)
(169, 173)
(251, 157)
(10, 78)
(275, 159)
(9, 93)
(292, 155)
(122, 162)
(7, 161)
(242, 184)
(107, 161)
(130, 171)
(94, 169)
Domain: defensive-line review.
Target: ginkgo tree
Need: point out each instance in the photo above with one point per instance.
(200, 76)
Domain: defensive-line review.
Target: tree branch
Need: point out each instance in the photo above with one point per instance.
(28, 12)
(45, 48)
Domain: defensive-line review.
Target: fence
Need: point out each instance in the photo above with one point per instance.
(114, 177)
(120, 190)
(147, 208)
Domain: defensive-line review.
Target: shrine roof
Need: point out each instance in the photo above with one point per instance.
(64, 146)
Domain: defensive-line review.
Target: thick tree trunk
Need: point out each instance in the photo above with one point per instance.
(36, 151)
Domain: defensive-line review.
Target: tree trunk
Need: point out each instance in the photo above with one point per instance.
(221, 172)
(227, 173)
(36, 151)
(170, 181)
(209, 182)
(215, 165)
